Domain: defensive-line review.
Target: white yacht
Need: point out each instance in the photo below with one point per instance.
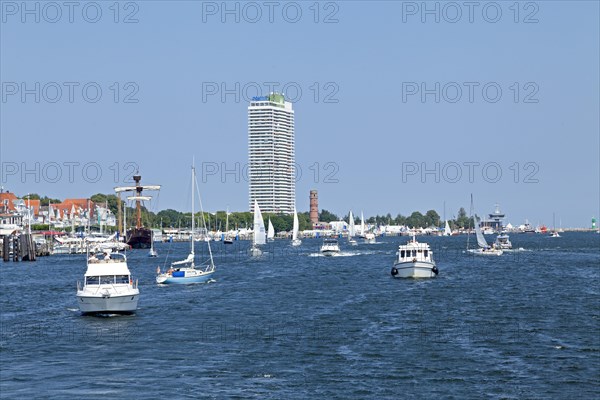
(502, 242)
(108, 286)
(330, 247)
(415, 260)
(369, 238)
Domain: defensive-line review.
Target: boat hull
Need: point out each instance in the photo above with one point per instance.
(417, 269)
(95, 304)
(183, 280)
(329, 253)
(140, 238)
(491, 252)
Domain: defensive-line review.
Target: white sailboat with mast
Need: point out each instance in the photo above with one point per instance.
(295, 229)
(351, 230)
(260, 236)
(186, 271)
(484, 247)
(270, 231)
(227, 239)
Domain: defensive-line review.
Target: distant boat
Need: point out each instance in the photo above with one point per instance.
(152, 253)
(139, 237)
(108, 286)
(270, 231)
(227, 239)
(185, 271)
(259, 232)
(554, 233)
(369, 237)
(415, 260)
(503, 242)
(351, 231)
(330, 247)
(447, 231)
(484, 248)
(295, 229)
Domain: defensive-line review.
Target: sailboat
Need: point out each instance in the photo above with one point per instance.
(152, 252)
(227, 239)
(259, 232)
(185, 271)
(447, 231)
(295, 229)
(270, 231)
(484, 248)
(351, 230)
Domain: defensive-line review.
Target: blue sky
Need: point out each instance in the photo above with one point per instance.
(365, 129)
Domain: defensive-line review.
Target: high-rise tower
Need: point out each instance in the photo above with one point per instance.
(271, 157)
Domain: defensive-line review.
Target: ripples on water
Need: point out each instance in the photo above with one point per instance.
(292, 324)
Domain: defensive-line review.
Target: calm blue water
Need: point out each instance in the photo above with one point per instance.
(297, 325)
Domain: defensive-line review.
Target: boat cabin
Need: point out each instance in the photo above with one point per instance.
(414, 251)
(109, 270)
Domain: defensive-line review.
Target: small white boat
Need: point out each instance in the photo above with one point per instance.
(330, 247)
(108, 286)
(369, 238)
(415, 260)
(295, 229)
(502, 242)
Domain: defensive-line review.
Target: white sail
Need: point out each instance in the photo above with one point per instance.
(480, 239)
(447, 231)
(270, 231)
(296, 226)
(362, 224)
(351, 226)
(259, 226)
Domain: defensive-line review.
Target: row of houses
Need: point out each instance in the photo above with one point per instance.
(21, 212)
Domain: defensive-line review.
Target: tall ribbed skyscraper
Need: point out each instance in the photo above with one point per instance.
(271, 155)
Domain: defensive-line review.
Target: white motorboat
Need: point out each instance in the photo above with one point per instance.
(369, 238)
(108, 286)
(330, 247)
(502, 242)
(295, 229)
(415, 260)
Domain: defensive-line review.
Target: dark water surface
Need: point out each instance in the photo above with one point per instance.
(294, 324)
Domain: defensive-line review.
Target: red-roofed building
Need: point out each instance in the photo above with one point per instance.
(7, 201)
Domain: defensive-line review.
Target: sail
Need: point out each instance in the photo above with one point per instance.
(259, 226)
(296, 227)
(447, 231)
(480, 239)
(351, 226)
(271, 231)
(362, 224)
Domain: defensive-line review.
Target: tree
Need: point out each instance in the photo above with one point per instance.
(326, 216)
(416, 220)
(432, 218)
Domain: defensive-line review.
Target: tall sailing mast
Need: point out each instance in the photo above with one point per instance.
(138, 188)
